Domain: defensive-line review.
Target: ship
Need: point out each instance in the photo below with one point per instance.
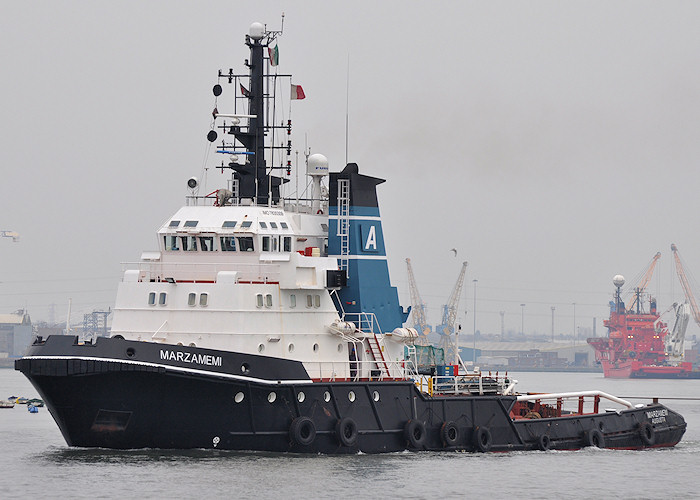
(268, 322)
(639, 344)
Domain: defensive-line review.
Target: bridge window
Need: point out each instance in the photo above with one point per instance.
(204, 299)
(287, 244)
(229, 223)
(266, 244)
(228, 244)
(189, 243)
(171, 243)
(284, 225)
(246, 224)
(174, 223)
(263, 225)
(191, 223)
(191, 299)
(206, 243)
(273, 225)
(245, 243)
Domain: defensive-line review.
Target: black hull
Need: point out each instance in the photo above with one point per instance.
(119, 404)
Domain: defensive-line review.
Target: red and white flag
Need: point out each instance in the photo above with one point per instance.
(298, 92)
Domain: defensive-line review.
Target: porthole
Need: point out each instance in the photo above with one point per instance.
(309, 301)
(315, 347)
(351, 396)
(204, 299)
(271, 397)
(259, 300)
(268, 300)
(340, 347)
(161, 299)
(152, 299)
(292, 301)
(301, 397)
(191, 299)
(192, 344)
(317, 301)
(291, 347)
(326, 396)
(131, 352)
(245, 368)
(261, 347)
(239, 397)
(375, 396)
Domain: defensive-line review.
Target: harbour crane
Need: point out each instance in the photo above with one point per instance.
(643, 284)
(10, 234)
(418, 315)
(685, 284)
(449, 316)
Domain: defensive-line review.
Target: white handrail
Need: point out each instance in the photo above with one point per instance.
(564, 395)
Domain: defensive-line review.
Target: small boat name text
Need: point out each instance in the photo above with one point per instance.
(189, 357)
(657, 416)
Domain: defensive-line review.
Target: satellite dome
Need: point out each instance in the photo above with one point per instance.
(256, 31)
(317, 164)
(618, 280)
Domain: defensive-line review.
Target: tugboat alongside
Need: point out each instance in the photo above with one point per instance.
(270, 323)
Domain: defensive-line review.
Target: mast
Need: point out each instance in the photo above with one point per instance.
(255, 181)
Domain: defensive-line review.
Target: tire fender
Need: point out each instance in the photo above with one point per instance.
(482, 439)
(414, 431)
(302, 431)
(346, 431)
(449, 432)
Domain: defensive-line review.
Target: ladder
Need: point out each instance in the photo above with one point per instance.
(343, 231)
(378, 356)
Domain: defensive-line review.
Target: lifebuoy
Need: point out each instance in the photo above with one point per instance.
(346, 431)
(595, 438)
(449, 432)
(544, 442)
(482, 439)
(414, 431)
(647, 433)
(302, 431)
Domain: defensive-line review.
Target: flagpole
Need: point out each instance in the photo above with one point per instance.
(347, 109)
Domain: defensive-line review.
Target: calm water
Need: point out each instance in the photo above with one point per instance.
(35, 461)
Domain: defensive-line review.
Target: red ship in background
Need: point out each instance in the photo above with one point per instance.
(639, 344)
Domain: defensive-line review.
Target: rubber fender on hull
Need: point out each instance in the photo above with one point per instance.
(414, 431)
(302, 431)
(482, 439)
(544, 442)
(449, 432)
(594, 438)
(646, 432)
(346, 431)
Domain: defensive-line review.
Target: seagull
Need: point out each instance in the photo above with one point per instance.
(455, 251)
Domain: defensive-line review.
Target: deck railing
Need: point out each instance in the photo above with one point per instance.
(205, 272)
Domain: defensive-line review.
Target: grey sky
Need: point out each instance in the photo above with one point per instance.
(554, 144)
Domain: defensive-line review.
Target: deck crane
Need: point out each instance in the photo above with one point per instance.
(685, 284)
(643, 284)
(449, 316)
(10, 234)
(418, 315)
